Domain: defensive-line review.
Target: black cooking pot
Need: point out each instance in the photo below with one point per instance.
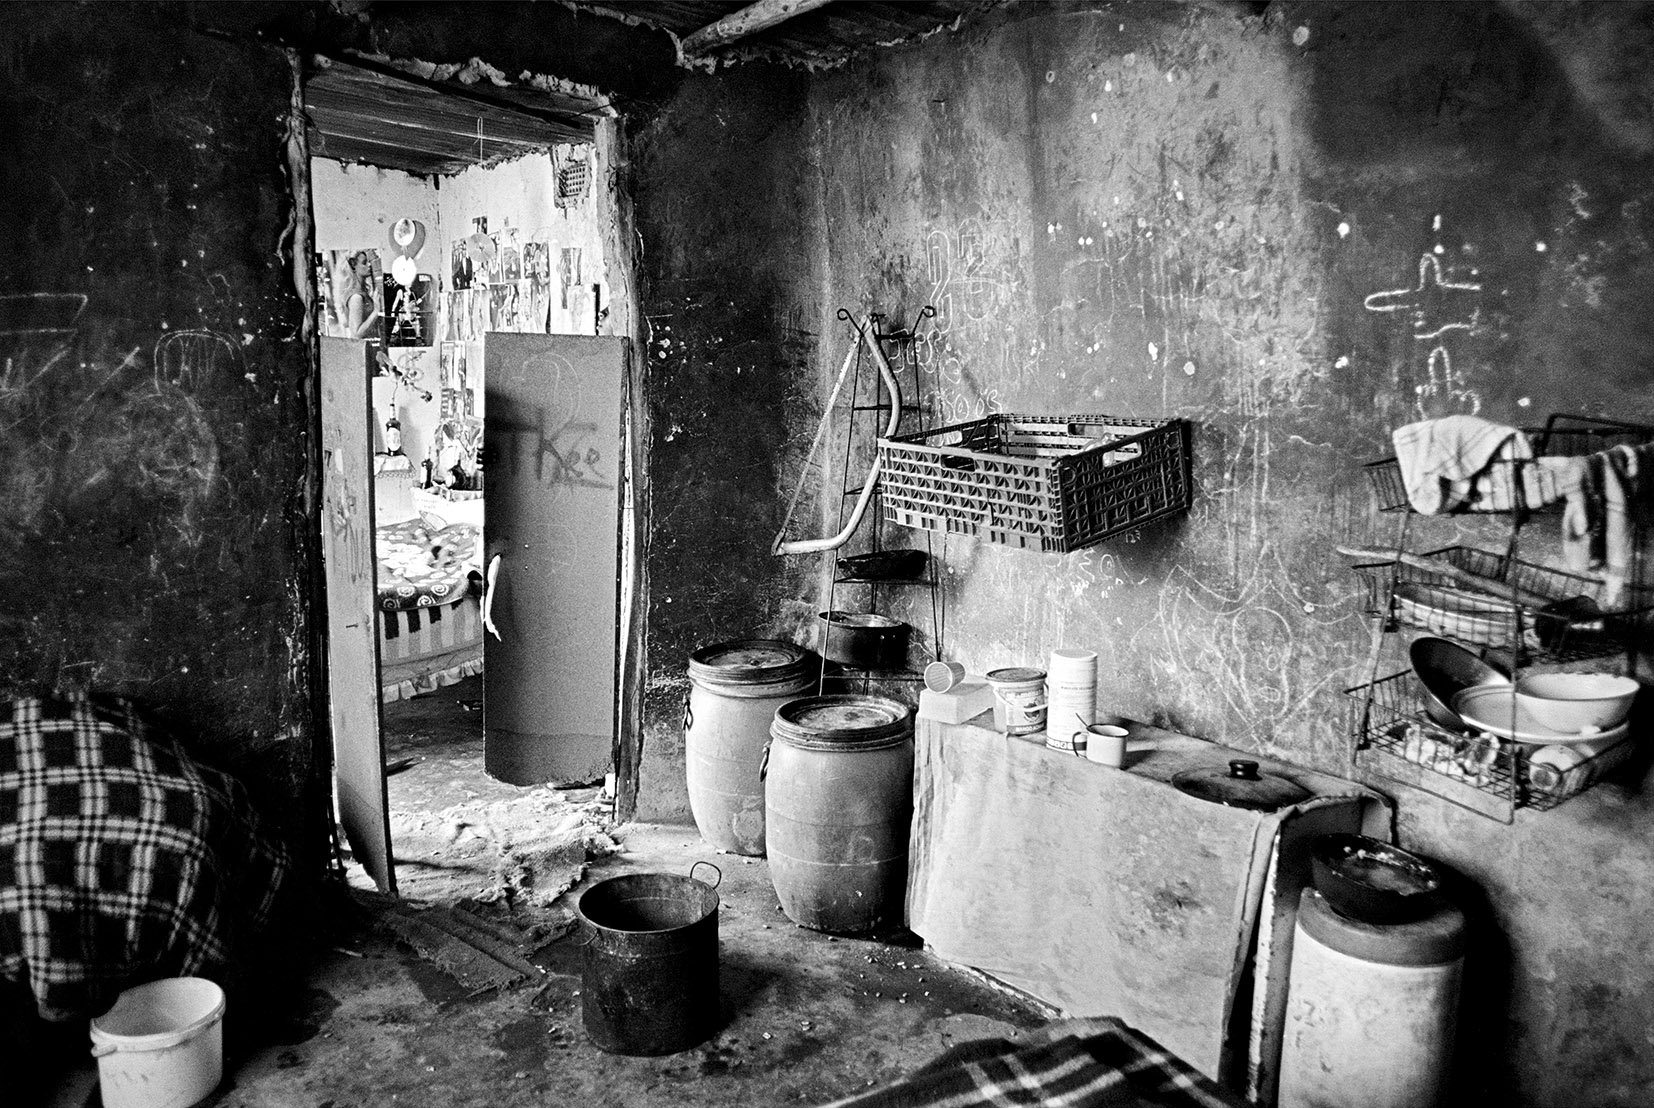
(883, 565)
(864, 640)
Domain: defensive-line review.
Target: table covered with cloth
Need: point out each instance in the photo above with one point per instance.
(1112, 892)
(1081, 1063)
(122, 859)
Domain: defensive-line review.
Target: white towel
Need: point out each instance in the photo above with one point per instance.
(1457, 462)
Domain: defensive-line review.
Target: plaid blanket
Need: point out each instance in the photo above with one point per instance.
(1080, 1063)
(121, 859)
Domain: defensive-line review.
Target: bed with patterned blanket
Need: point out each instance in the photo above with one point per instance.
(429, 601)
(122, 859)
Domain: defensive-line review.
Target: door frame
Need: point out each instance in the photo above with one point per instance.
(623, 317)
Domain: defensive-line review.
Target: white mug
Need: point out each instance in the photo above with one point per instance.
(1106, 744)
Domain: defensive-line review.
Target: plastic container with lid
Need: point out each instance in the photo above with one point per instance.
(838, 802)
(1371, 1008)
(734, 690)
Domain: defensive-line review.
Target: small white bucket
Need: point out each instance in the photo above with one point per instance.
(1019, 699)
(161, 1045)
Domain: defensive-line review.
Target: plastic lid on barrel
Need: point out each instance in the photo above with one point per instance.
(1016, 673)
(748, 662)
(842, 722)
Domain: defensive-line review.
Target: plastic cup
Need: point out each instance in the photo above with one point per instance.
(943, 676)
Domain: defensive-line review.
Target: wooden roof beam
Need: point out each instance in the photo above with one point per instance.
(747, 21)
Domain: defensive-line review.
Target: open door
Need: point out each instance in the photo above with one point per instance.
(553, 407)
(352, 633)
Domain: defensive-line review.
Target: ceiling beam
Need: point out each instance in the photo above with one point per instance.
(748, 21)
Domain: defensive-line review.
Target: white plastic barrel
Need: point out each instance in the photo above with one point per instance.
(1371, 1009)
(735, 688)
(161, 1045)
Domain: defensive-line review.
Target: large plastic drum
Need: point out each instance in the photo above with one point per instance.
(1371, 1009)
(734, 690)
(838, 800)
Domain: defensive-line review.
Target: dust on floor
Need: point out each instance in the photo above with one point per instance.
(467, 991)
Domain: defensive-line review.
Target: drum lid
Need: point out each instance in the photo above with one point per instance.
(749, 662)
(842, 722)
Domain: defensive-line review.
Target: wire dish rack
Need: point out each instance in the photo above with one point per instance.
(1478, 771)
(1562, 618)
(1562, 436)
(1516, 615)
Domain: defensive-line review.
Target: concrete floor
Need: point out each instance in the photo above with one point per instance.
(806, 1017)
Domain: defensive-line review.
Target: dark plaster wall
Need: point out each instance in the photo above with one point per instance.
(1186, 211)
(732, 296)
(153, 514)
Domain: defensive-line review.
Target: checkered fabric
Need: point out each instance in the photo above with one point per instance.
(1081, 1063)
(121, 859)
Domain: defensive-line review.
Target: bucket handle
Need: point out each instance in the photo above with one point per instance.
(715, 869)
(688, 717)
(100, 1050)
(764, 762)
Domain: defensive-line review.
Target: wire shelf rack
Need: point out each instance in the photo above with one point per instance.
(1561, 619)
(1398, 738)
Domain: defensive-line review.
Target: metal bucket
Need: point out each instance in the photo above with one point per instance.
(649, 978)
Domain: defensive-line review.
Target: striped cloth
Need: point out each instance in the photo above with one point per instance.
(122, 860)
(1081, 1063)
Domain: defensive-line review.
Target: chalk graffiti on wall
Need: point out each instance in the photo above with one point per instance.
(1239, 642)
(1060, 599)
(975, 281)
(99, 443)
(1441, 306)
(192, 359)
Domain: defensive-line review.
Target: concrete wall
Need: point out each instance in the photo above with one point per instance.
(153, 511)
(1184, 211)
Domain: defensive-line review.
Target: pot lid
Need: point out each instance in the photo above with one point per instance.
(1242, 785)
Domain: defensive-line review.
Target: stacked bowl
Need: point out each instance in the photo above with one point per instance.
(1071, 699)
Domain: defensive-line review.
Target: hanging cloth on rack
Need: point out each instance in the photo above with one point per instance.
(1612, 491)
(1460, 463)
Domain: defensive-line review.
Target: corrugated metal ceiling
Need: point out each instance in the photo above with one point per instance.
(362, 112)
(828, 35)
(373, 111)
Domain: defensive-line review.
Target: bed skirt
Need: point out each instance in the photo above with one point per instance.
(423, 649)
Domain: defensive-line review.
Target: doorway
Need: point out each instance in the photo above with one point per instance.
(461, 224)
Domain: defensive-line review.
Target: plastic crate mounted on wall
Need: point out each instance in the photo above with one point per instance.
(1050, 483)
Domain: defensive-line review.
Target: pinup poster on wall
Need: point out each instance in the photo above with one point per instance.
(568, 273)
(536, 261)
(474, 258)
(511, 262)
(538, 297)
(505, 307)
(448, 378)
(341, 274)
(464, 270)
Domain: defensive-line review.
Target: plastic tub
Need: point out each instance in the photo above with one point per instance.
(161, 1045)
